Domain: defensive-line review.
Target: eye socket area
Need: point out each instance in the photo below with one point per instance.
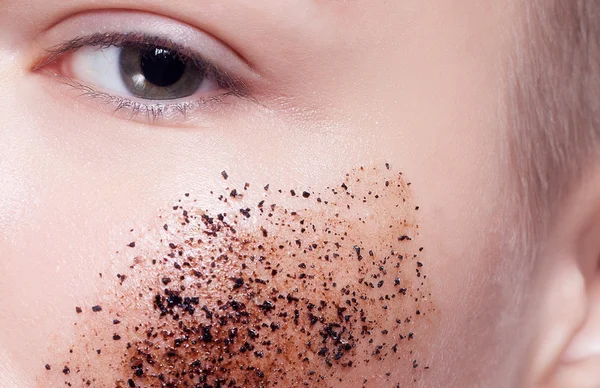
(189, 77)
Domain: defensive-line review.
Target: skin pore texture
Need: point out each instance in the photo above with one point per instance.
(332, 282)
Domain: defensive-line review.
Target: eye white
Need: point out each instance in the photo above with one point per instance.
(99, 67)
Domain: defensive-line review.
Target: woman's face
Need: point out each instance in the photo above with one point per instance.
(305, 196)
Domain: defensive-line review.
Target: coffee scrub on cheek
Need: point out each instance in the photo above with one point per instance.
(267, 287)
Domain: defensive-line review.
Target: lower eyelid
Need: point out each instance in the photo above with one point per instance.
(195, 113)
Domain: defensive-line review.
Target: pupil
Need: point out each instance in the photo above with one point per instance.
(161, 67)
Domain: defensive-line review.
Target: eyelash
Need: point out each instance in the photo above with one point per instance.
(231, 85)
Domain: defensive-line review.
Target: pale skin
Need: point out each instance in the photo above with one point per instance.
(335, 86)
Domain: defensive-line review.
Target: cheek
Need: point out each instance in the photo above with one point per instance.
(269, 287)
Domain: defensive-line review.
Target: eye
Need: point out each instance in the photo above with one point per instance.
(144, 71)
(144, 74)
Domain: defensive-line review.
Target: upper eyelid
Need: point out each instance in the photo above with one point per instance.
(105, 40)
(181, 34)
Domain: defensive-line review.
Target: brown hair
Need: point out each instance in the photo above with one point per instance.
(553, 104)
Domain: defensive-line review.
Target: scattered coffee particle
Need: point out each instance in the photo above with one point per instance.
(66, 370)
(78, 310)
(131, 244)
(245, 212)
(96, 308)
(48, 367)
(224, 174)
(226, 297)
